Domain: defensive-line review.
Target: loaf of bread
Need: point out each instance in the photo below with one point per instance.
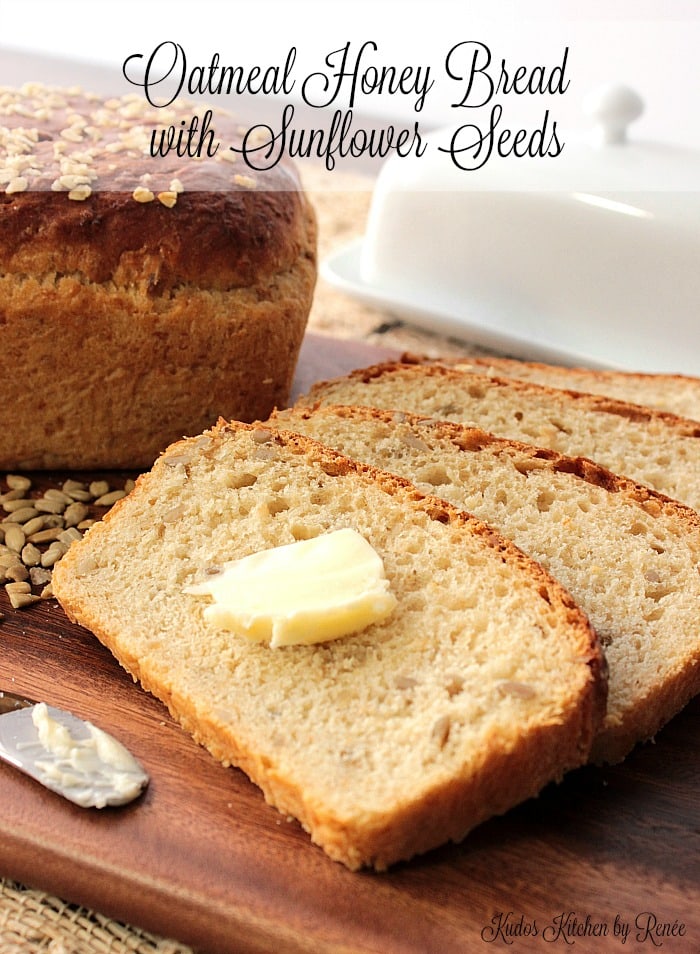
(654, 448)
(484, 683)
(629, 556)
(676, 393)
(140, 296)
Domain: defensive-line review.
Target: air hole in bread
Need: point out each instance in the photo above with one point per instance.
(302, 531)
(277, 505)
(237, 481)
(658, 590)
(545, 501)
(434, 474)
(455, 685)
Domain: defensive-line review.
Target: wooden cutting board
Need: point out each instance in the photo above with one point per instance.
(203, 859)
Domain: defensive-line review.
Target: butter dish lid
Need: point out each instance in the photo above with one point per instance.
(589, 258)
(603, 155)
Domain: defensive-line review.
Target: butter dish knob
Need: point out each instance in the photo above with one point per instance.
(613, 108)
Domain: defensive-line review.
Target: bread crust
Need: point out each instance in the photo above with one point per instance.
(168, 292)
(515, 764)
(686, 427)
(676, 393)
(650, 709)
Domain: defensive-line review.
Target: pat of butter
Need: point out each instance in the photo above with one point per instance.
(312, 591)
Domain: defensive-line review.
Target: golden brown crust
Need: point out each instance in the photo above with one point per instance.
(229, 227)
(508, 770)
(468, 438)
(650, 710)
(634, 412)
(594, 380)
(128, 324)
(217, 241)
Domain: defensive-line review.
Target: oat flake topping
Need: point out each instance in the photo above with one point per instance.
(75, 142)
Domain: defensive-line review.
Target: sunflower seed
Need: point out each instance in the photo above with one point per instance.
(48, 535)
(49, 505)
(106, 500)
(53, 493)
(31, 555)
(34, 525)
(18, 573)
(11, 505)
(74, 514)
(21, 515)
(11, 495)
(18, 482)
(39, 575)
(98, 488)
(14, 537)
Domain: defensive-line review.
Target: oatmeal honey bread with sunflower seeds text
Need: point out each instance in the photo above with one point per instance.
(140, 297)
(484, 683)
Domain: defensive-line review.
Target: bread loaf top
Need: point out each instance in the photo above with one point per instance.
(81, 194)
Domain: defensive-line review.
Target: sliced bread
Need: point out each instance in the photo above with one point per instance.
(629, 556)
(676, 393)
(652, 447)
(486, 682)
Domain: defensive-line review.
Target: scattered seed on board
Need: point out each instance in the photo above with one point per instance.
(106, 500)
(37, 528)
(18, 482)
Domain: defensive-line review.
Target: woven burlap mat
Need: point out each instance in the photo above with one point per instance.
(33, 922)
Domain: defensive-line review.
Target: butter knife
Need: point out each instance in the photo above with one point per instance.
(67, 755)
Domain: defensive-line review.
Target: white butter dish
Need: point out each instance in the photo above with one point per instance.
(590, 258)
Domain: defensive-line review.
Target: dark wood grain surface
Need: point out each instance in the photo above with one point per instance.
(201, 857)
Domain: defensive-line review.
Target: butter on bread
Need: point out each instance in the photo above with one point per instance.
(140, 297)
(629, 556)
(654, 448)
(485, 682)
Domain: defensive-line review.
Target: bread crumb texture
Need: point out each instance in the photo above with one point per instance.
(655, 448)
(628, 556)
(174, 291)
(675, 393)
(484, 684)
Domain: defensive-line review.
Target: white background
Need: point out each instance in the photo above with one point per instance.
(652, 45)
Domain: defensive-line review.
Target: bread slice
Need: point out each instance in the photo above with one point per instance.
(486, 682)
(629, 556)
(675, 393)
(652, 447)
